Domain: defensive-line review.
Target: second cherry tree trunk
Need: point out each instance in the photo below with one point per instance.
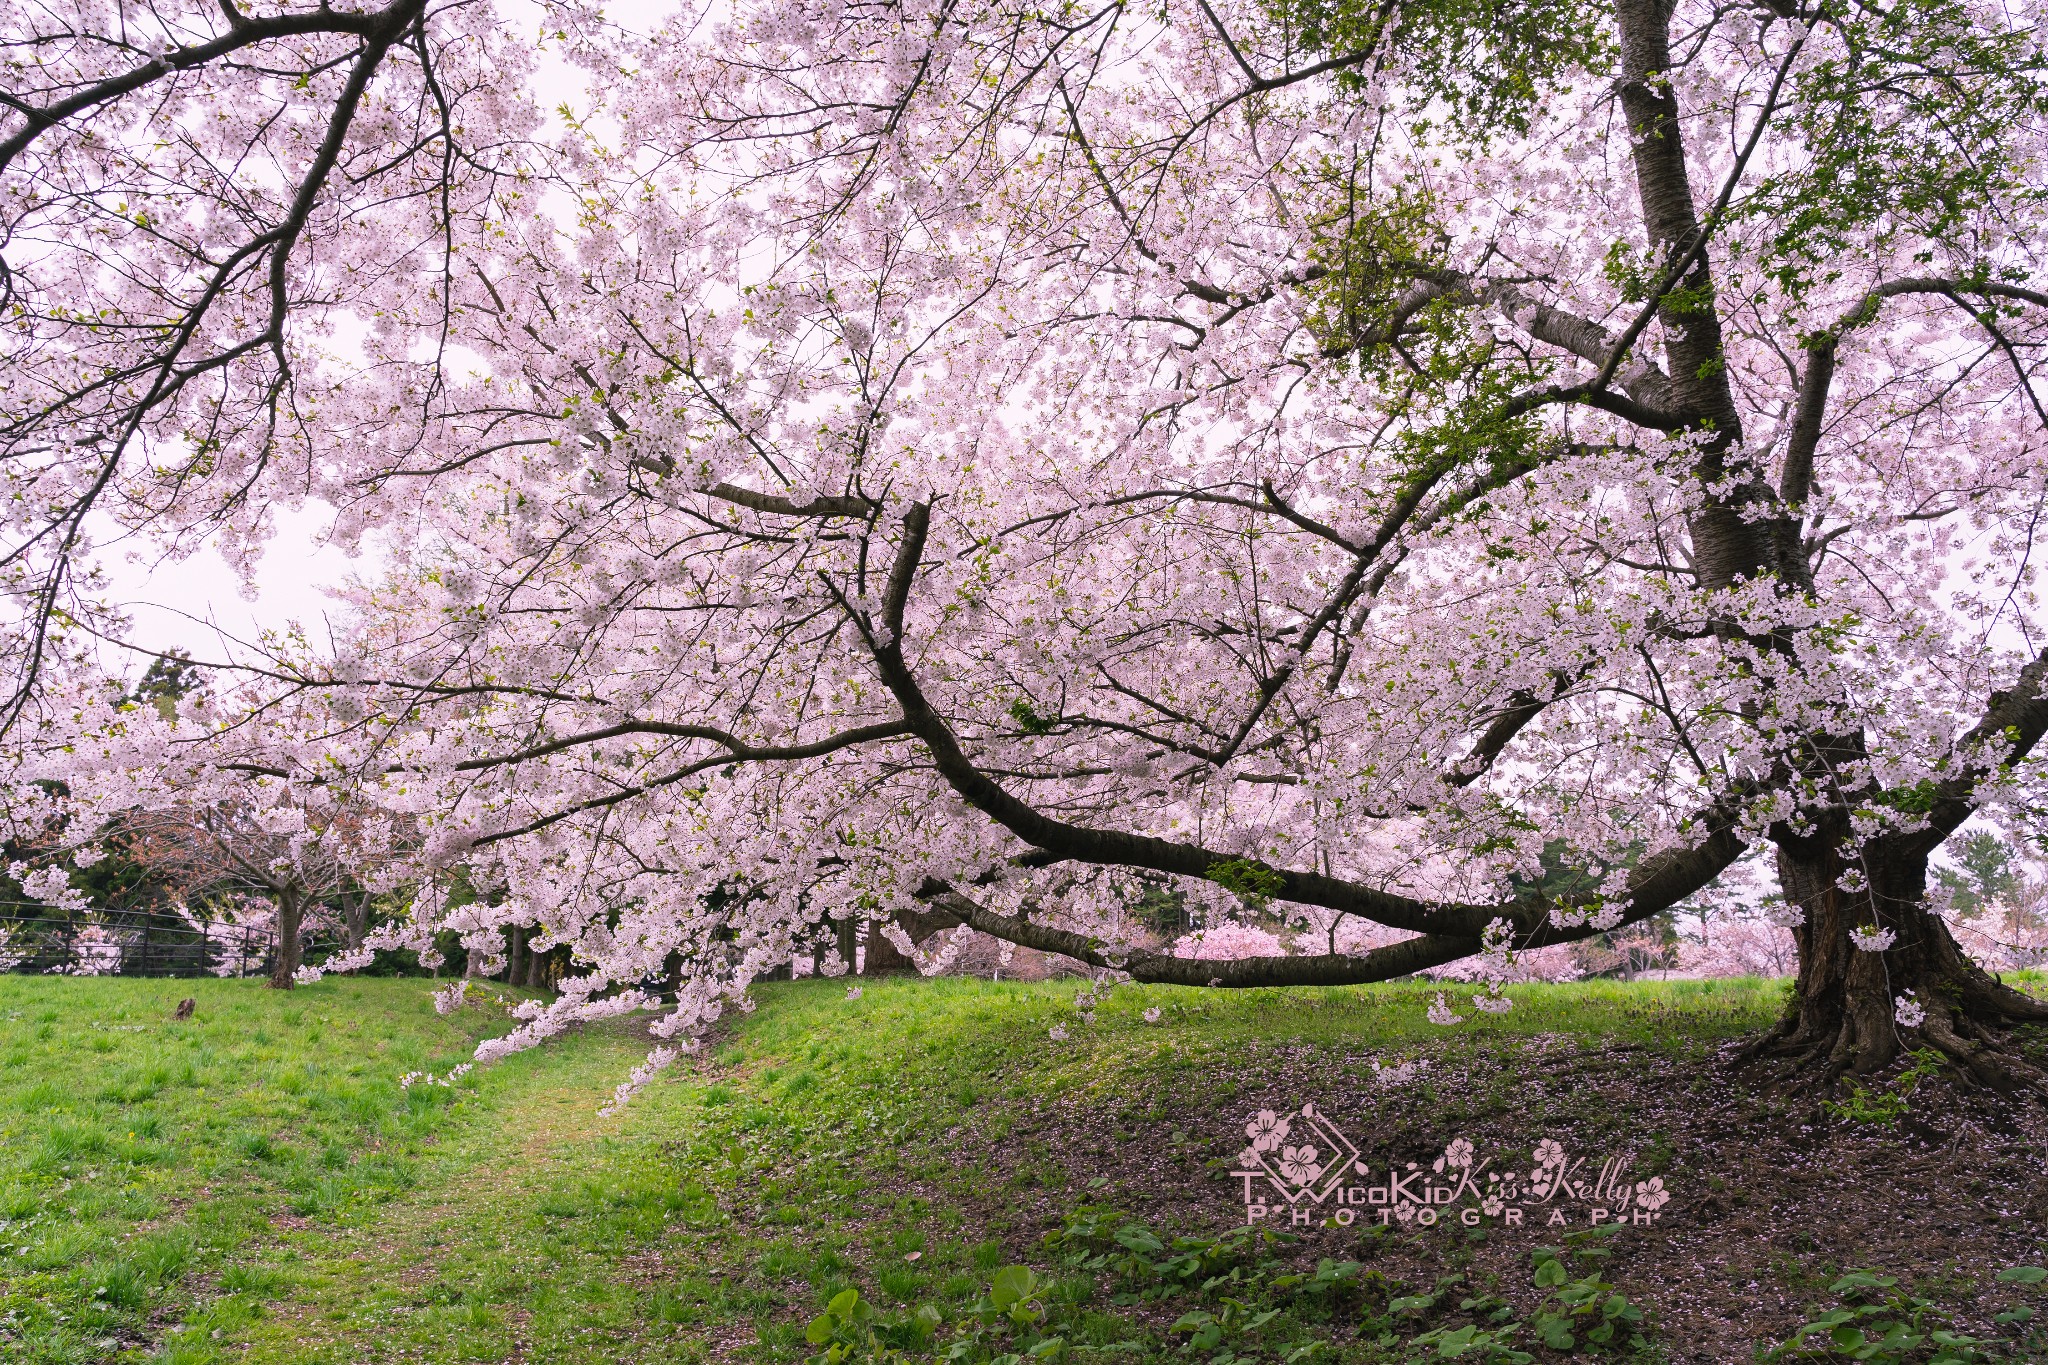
(284, 964)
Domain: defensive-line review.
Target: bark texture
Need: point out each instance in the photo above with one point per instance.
(1843, 1017)
(355, 918)
(285, 962)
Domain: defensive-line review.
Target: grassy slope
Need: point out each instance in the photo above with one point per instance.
(254, 1185)
(143, 1158)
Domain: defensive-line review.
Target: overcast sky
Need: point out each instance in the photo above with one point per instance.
(189, 604)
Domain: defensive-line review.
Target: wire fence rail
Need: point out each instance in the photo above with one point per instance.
(34, 940)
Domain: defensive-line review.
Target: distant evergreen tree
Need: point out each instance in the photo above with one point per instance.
(1985, 879)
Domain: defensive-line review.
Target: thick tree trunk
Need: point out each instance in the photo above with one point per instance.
(883, 958)
(847, 932)
(286, 962)
(1844, 1013)
(355, 919)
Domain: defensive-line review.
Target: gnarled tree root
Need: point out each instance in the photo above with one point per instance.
(1968, 1025)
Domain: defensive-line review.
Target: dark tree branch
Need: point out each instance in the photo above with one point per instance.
(1795, 482)
(1656, 884)
(739, 752)
(243, 32)
(1329, 969)
(2011, 727)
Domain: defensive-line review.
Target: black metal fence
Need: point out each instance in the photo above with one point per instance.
(129, 943)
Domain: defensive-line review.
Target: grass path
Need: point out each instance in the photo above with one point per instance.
(467, 1269)
(145, 1159)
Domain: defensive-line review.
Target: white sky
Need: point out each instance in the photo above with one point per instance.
(198, 604)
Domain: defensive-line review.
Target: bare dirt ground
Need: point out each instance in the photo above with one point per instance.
(1771, 1198)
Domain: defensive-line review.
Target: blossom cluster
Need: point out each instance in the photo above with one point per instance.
(455, 1073)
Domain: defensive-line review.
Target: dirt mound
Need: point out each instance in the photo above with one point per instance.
(1769, 1199)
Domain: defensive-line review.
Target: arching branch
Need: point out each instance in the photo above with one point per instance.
(1795, 481)
(1656, 884)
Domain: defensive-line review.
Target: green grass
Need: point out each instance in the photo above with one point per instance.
(140, 1155)
(254, 1185)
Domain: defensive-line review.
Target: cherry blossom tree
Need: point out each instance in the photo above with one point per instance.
(208, 829)
(1740, 947)
(1228, 942)
(1996, 903)
(994, 461)
(276, 851)
(250, 173)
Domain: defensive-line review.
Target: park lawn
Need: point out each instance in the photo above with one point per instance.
(254, 1185)
(143, 1157)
